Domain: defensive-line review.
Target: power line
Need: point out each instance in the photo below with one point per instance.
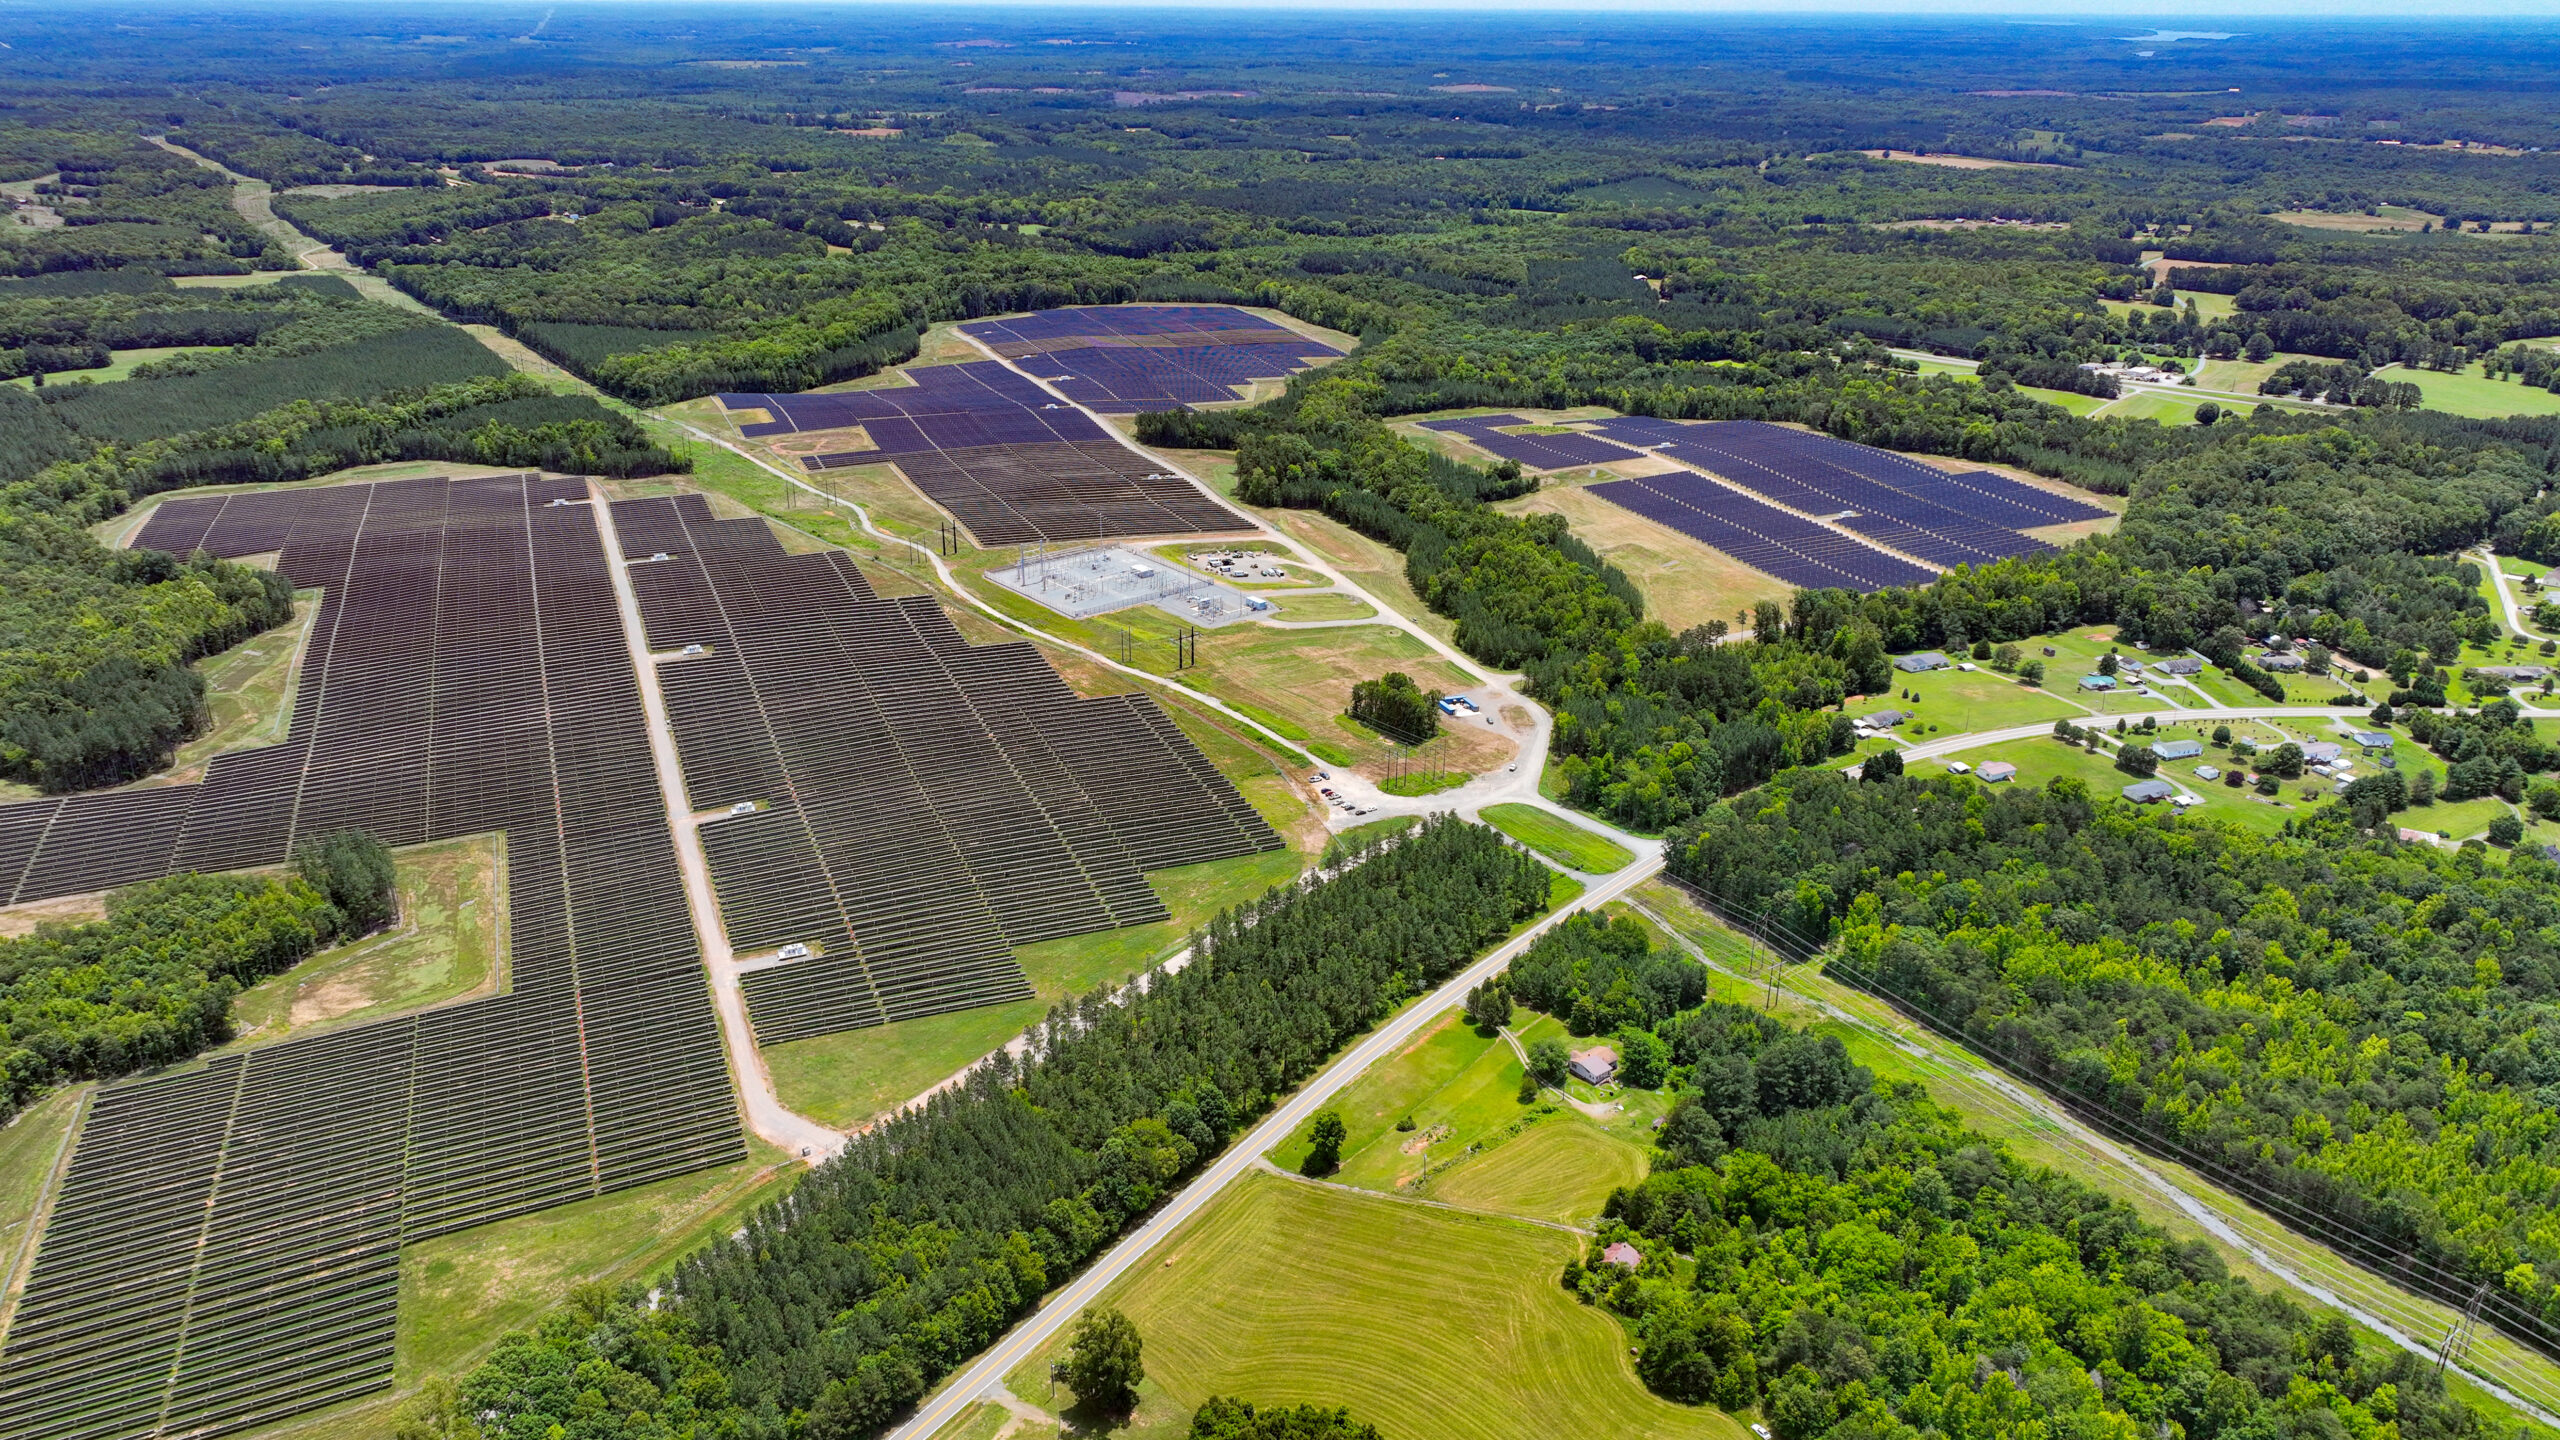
(2379, 1255)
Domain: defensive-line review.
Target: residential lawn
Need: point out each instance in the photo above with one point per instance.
(2472, 393)
(1429, 1324)
(2071, 400)
(1955, 700)
(449, 942)
(2043, 760)
(847, 1078)
(1447, 1076)
(1559, 840)
(29, 1149)
(2453, 819)
(119, 367)
(2151, 405)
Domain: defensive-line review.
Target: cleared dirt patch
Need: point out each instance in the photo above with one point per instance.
(1959, 162)
(18, 920)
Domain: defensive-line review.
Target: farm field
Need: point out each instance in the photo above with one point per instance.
(449, 942)
(1559, 840)
(2472, 393)
(1293, 1292)
(846, 1078)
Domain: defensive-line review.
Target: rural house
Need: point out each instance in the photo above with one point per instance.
(1595, 1066)
(1925, 660)
(2149, 792)
(2177, 749)
(1622, 1254)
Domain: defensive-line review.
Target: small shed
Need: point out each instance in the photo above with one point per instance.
(2177, 749)
(1995, 771)
(1925, 660)
(2149, 792)
(2097, 682)
(2208, 772)
(1595, 1066)
(1623, 1255)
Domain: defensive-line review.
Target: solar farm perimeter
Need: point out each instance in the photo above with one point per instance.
(1121, 359)
(1812, 510)
(905, 807)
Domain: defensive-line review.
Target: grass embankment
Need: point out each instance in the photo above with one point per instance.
(249, 690)
(1684, 581)
(449, 942)
(1429, 1324)
(1558, 839)
(459, 1294)
(31, 1150)
(850, 1077)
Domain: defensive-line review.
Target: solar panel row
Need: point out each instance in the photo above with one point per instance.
(1008, 460)
(1046, 494)
(224, 1251)
(1790, 547)
(1123, 359)
(924, 805)
(1537, 452)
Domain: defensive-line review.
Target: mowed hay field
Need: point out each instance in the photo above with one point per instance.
(1427, 1323)
(1562, 1170)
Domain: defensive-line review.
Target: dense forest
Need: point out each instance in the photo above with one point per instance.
(2356, 1031)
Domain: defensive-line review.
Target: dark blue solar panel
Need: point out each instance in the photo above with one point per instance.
(1098, 321)
(1538, 452)
(1764, 537)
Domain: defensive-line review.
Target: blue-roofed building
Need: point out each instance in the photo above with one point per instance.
(2371, 739)
(1925, 660)
(2097, 682)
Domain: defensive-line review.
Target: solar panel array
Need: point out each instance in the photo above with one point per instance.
(1922, 511)
(1010, 461)
(224, 1250)
(1537, 452)
(1794, 549)
(924, 805)
(1121, 359)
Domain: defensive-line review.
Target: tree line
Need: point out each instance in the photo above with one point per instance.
(837, 1307)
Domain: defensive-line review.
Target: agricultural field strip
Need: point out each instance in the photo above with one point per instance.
(468, 674)
(928, 804)
(1241, 1156)
(2218, 1212)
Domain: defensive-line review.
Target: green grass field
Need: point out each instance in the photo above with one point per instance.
(1562, 1170)
(1324, 605)
(29, 1148)
(846, 1078)
(2152, 405)
(2473, 394)
(1559, 840)
(460, 1294)
(1428, 1324)
(2043, 760)
(449, 942)
(1956, 700)
(121, 367)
